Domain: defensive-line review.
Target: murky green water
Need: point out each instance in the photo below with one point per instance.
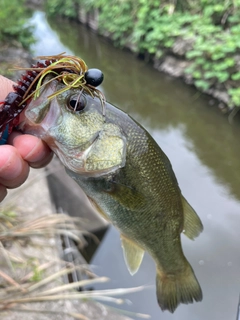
(204, 150)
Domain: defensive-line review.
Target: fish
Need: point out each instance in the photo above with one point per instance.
(128, 179)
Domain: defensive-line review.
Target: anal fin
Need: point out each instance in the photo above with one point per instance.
(192, 224)
(133, 254)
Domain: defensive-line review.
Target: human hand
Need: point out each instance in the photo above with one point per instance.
(22, 152)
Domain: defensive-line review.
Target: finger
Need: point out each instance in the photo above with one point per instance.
(32, 149)
(6, 86)
(13, 169)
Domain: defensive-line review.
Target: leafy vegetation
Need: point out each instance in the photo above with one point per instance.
(62, 8)
(13, 27)
(209, 29)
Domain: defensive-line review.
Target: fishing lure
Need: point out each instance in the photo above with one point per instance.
(70, 70)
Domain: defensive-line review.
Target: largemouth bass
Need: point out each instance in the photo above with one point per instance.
(128, 179)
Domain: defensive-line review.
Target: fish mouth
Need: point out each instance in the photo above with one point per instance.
(41, 114)
(38, 123)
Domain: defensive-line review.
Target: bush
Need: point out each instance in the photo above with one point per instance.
(154, 26)
(13, 27)
(65, 8)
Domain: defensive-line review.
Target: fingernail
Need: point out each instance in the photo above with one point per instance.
(36, 152)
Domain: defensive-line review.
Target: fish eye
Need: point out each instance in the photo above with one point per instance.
(94, 77)
(77, 103)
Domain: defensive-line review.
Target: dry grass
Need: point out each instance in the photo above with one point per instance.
(27, 278)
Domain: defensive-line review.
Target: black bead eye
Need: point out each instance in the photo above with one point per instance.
(94, 77)
(77, 103)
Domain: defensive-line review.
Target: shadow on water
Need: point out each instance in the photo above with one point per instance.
(204, 150)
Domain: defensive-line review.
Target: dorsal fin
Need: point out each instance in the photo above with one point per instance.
(192, 224)
(133, 254)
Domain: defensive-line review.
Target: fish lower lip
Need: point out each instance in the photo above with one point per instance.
(43, 111)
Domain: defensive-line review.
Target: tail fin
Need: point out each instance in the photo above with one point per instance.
(175, 289)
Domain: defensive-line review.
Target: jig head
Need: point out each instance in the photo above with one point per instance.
(70, 70)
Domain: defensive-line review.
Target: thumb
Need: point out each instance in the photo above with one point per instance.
(6, 86)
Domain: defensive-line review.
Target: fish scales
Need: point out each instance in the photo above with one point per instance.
(130, 181)
(144, 153)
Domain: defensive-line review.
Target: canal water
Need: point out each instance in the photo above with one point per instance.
(203, 148)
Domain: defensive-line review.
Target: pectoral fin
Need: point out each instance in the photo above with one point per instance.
(192, 224)
(133, 255)
(128, 197)
(98, 209)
